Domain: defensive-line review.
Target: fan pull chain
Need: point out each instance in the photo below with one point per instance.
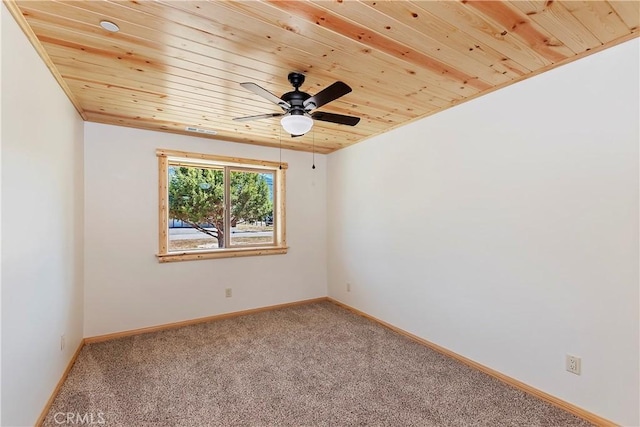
(280, 138)
(314, 149)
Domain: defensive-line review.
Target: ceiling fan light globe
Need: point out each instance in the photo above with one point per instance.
(296, 124)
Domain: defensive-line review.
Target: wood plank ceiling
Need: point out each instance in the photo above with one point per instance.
(179, 63)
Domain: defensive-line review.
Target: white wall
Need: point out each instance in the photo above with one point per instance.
(42, 223)
(125, 286)
(506, 230)
(2, 12)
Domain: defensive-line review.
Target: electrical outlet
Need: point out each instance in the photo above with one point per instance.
(62, 342)
(573, 364)
(227, 293)
(348, 287)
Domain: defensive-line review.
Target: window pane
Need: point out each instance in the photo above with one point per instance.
(196, 208)
(251, 208)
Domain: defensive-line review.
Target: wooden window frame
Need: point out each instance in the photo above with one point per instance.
(173, 157)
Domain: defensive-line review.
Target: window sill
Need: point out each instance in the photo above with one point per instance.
(221, 253)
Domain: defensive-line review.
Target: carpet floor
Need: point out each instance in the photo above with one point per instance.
(308, 365)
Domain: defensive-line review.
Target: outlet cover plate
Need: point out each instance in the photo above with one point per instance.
(573, 364)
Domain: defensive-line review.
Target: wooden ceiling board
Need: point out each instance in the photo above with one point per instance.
(443, 32)
(480, 30)
(628, 11)
(599, 17)
(286, 52)
(438, 73)
(125, 48)
(334, 54)
(175, 64)
(554, 18)
(422, 102)
(203, 97)
(175, 39)
(516, 24)
(405, 34)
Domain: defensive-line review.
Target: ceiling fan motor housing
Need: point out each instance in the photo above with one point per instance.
(296, 97)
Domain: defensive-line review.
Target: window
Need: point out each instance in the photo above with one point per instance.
(218, 207)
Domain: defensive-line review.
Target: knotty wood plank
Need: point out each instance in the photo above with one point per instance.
(142, 64)
(599, 18)
(628, 11)
(355, 103)
(554, 18)
(515, 22)
(356, 52)
(387, 26)
(361, 34)
(445, 33)
(472, 22)
(245, 32)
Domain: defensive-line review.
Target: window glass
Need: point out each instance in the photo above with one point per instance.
(196, 208)
(252, 208)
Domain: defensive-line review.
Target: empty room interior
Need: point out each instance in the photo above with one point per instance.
(320, 213)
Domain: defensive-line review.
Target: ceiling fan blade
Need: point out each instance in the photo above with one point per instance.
(265, 94)
(259, 116)
(335, 118)
(326, 95)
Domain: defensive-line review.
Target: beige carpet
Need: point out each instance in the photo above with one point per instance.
(310, 365)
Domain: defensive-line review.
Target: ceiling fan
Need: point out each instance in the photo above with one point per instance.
(297, 106)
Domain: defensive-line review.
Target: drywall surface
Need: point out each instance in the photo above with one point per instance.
(506, 230)
(126, 287)
(42, 225)
(2, 12)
